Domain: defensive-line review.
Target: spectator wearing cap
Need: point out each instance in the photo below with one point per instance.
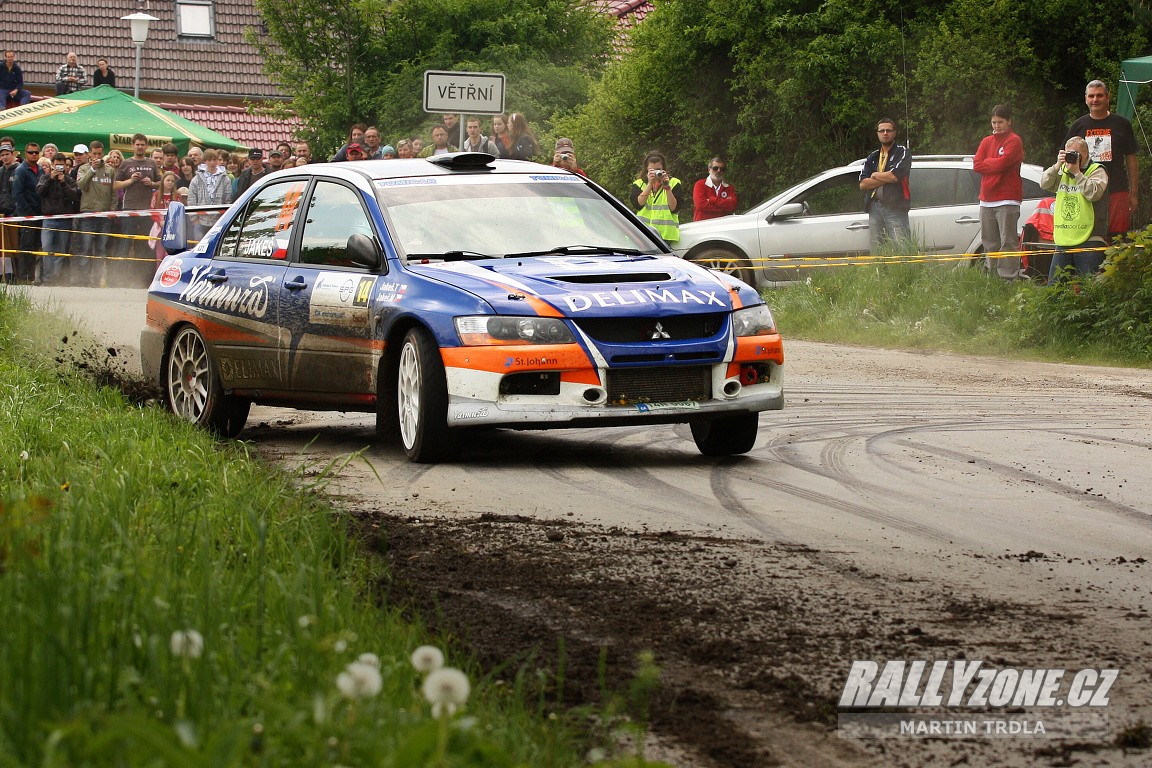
(355, 136)
(275, 160)
(79, 157)
(565, 157)
(70, 77)
(12, 81)
(353, 153)
(253, 173)
(388, 152)
(8, 163)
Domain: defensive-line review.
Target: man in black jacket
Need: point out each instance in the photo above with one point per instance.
(24, 180)
(8, 163)
(58, 195)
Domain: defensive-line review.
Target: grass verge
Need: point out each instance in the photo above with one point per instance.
(164, 600)
(1096, 320)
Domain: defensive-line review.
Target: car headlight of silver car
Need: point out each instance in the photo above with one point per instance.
(488, 330)
(753, 321)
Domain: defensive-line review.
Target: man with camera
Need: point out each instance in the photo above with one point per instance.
(565, 157)
(94, 179)
(884, 181)
(656, 198)
(1080, 217)
(1112, 143)
(58, 196)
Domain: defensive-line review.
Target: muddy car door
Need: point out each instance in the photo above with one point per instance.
(244, 280)
(327, 296)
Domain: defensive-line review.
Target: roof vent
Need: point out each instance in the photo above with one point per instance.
(464, 161)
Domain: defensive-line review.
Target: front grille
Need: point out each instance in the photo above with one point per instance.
(629, 330)
(666, 384)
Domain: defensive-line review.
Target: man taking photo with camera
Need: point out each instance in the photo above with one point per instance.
(656, 198)
(1080, 217)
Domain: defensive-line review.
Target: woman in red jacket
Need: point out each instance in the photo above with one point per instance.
(998, 162)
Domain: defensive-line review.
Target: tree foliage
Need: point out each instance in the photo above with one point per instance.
(364, 60)
(785, 88)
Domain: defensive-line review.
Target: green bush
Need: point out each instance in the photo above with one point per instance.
(1109, 314)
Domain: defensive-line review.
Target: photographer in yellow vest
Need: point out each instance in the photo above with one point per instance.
(1080, 216)
(656, 198)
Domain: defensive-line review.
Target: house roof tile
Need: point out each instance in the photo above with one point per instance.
(237, 123)
(224, 67)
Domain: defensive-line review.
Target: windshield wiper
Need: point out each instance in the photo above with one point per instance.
(578, 250)
(453, 256)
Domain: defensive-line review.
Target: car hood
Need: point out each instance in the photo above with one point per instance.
(594, 286)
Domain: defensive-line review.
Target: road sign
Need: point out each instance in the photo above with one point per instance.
(476, 93)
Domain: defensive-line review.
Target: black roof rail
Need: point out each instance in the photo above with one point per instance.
(464, 161)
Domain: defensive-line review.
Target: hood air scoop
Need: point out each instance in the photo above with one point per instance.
(611, 277)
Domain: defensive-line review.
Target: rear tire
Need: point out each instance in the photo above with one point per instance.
(728, 262)
(193, 390)
(422, 401)
(728, 436)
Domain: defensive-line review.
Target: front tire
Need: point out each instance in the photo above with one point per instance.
(422, 400)
(728, 436)
(193, 390)
(728, 262)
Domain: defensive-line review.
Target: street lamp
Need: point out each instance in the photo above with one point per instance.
(139, 22)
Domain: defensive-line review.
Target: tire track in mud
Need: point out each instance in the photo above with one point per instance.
(1102, 503)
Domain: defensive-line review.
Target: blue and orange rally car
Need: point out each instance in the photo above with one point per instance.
(453, 293)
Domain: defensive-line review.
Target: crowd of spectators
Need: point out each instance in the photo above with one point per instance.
(50, 182)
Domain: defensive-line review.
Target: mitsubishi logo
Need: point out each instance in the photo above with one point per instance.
(659, 333)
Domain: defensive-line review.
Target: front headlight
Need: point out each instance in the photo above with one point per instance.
(753, 321)
(487, 330)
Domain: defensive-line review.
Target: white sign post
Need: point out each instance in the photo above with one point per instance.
(477, 93)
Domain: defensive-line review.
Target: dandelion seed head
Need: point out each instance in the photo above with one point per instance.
(188, 644)
(340, 646)
(597, 755)
(427, 658)
(370, 659)
(446, 686)
(359, 681)
(305, 621)
(23, 455)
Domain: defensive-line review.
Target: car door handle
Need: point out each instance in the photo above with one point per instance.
(296, 284)
(967, 220)
(856, 225)
(216, 276)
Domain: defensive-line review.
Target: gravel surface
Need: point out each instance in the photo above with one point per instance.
(902, 506)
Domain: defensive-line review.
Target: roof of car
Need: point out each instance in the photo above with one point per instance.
(441, 165)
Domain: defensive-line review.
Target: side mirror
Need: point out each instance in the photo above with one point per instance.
(788, 210)
(174, 230)
(363, 252)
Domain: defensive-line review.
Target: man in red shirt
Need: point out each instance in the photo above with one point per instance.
(712, 196)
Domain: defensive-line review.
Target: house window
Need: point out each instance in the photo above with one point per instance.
(195, 18)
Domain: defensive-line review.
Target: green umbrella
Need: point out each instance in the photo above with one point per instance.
(106, 114)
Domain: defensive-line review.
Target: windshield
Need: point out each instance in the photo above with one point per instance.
(492, 215)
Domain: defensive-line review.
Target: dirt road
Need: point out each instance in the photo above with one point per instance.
(902, 507)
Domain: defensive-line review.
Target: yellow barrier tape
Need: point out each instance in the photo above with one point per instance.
(865, 260)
